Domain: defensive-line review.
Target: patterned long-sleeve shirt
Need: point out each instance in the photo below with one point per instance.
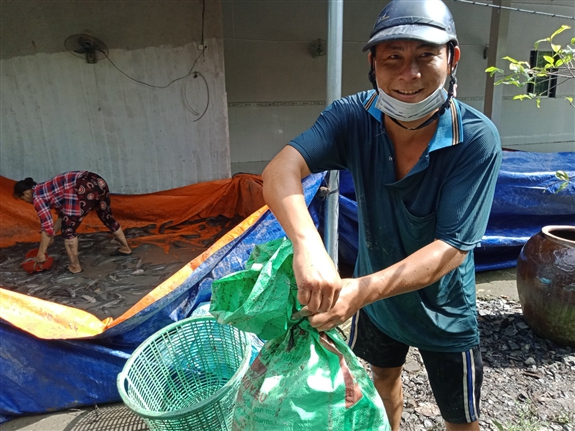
(59, 193)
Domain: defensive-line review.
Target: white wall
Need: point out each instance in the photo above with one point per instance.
(276, 88)
(60, 113)
(523, 126)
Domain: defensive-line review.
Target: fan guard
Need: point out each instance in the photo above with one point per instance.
(86, 46)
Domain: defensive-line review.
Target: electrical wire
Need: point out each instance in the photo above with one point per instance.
(185, 95)
(202, 44)
(187, 75)
(208, 96)
(552, 15)
(151, 85)
(203, 19)
(187, 102)
(196, 74)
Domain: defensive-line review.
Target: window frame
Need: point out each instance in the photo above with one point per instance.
(535, 57)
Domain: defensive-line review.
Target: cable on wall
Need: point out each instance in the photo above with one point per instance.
(552, 15)
(195, 75)
(189, 74)
(152, 85)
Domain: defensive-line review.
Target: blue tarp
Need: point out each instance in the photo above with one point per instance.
(526, 199)
(48, 375)
(62, 374)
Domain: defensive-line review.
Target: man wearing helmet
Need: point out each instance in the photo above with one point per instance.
(424, 167)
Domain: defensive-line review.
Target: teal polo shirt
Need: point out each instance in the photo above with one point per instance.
(447, 195)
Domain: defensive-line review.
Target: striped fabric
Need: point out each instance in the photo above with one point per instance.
(469, 386)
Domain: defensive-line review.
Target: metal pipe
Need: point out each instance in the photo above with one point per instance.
(334, 61)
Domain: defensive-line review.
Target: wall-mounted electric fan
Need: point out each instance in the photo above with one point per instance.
(86, 46)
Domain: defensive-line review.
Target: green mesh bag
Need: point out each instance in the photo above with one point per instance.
(302, 379)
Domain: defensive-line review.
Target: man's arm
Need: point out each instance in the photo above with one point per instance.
(418, 270)
(317, 278)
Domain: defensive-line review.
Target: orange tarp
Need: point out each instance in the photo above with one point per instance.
(238, 196)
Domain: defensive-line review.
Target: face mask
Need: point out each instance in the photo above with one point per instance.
(410, 111)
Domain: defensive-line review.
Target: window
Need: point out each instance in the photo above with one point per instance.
(544, 85)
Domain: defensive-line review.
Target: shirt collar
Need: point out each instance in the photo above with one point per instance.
(449, 129)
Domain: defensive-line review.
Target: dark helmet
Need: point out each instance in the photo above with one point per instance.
(424, 20)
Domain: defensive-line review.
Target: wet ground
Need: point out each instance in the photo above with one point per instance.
(108, 285)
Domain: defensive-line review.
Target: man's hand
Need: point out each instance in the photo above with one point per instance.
(317, 279)
(350, 301)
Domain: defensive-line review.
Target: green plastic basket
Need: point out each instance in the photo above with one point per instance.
(187, 375)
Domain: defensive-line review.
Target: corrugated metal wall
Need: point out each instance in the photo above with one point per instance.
(60, 113)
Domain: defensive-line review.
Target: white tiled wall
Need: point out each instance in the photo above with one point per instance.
(258, 131)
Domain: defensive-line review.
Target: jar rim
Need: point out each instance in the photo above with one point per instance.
(551, 232)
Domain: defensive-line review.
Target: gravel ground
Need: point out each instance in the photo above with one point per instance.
(528, 381)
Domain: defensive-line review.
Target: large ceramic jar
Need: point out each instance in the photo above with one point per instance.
(546, 283)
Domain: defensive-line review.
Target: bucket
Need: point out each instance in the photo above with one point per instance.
(186, 376)
(30, 264)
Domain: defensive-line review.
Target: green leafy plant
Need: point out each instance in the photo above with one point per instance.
(559, 65)
(527, 420)
(564, 417)
(564, 178)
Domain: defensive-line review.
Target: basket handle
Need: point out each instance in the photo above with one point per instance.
(121, 381)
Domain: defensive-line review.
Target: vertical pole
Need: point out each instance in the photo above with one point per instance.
(334, 61)
(492, 105)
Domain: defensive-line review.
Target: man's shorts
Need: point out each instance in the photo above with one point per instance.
(455, 378)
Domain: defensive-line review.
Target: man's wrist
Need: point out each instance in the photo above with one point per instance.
(306, 240)
(370, 289)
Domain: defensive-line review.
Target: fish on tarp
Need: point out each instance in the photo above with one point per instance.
(108, 283)
(89, 298)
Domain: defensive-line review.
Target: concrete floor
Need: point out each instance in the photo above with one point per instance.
(494, 284)
(117, 417)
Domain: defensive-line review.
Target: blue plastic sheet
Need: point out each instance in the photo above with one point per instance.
(62, 374)
(41, 376)
(48, 375)
(526, 199)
